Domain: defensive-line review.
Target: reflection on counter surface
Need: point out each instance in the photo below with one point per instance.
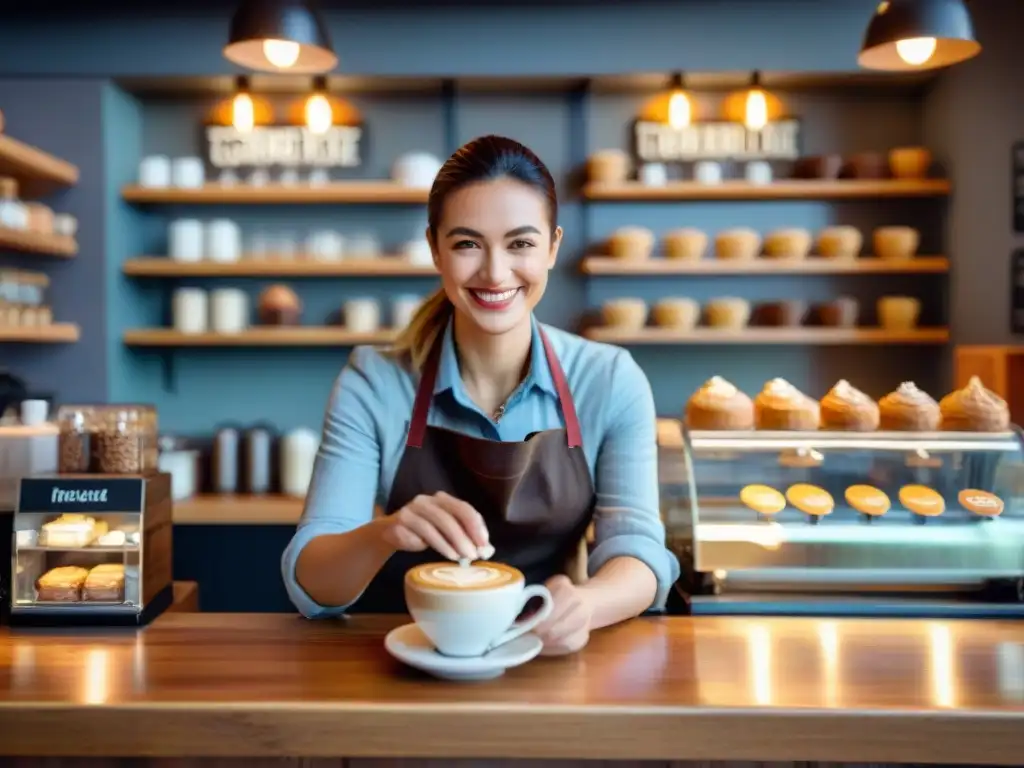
(848, 523)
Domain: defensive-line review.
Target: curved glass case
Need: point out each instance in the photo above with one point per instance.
(833, 523)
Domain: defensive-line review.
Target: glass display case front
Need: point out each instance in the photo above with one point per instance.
(856, 523)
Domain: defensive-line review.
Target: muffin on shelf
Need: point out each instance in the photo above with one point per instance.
(680, 314)
(896, 243)
(840, 242)
(909, 409)
(791, 243)
(608, 166)
(739, 243)
(779, 314)
(898, 313)
(624, 314)
(633, 243)
(279, 305)
(847, 409)
(910, 162)
(729, 314)
(781, 406)
(841, 312)
(974, 409)
(687, 243)
(719, 405)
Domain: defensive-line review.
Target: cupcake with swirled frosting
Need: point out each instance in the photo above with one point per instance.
(974, 409)
(781, 406)
(848, 409)
(719, 405)
(909, 409)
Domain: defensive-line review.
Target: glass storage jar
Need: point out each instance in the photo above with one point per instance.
(10, 290)
(127, 441)
(13, 213)
(77, 449)
(31, 295)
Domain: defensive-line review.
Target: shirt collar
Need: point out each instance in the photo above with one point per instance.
(449, 378)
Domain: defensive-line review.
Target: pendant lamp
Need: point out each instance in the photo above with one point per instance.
(281, 36)
(912, 35)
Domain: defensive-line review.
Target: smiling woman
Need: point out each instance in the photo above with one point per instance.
(483, 432)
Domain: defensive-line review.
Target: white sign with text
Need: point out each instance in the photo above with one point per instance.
(288, 146)
(716, 140)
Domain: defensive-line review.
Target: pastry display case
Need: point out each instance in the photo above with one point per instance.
(789, 508)
(91, 549)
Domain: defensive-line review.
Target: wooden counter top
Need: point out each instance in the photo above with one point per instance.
(220, 685)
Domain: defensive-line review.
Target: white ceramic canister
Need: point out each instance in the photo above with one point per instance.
(155, 171)
(191, 310)
(260, 177)
(298, 453)
(223, 241)
(708, 172)
(289, 177)
(416, 169)
(188, 172)
(653, 175)
(182, 465)
(403, 308)
(227, 178)
(418, 252)
(185, 240)
(325, 245)
(319, 177)
(362, 315)
(229, 310)
(758, 172)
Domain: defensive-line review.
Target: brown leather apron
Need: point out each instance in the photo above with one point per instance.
(537, 496)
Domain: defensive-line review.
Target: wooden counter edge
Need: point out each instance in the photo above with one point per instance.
(268, 729)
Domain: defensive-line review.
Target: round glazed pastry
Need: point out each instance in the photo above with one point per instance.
(727, 313)
(763, 499)
(847, 408)
(974, 409)
(631, 243)
(840, 242)
(781, 406)
(810, 499)
(681, 314)
(908, 409)
(686, 243)
(980, 503)
(719, 405)
(608, 166)
(922, 500)
(867, 500)
(787, 244)
(739, 243)
(624, 314)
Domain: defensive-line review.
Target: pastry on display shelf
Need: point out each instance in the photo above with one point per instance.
(624, 314)
(680, 314)
(632, 243)
(898, 313)
(608, 166)
(811, 500)
(61, 585)
(838, 313)
(727, 313)
(840, 242)
(779, 314)
(686, 243)
(981, 503)
(787, 244)
(781, 406)
(279, 305)
(908, 409)
(72, 531)
(868, 500)
(923, 501)
(719, 405)
(846, 408)
(974, 409)
(896, 243)
(910, 162)
(741, 243)
(763, 499)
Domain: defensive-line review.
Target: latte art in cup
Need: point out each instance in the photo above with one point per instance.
(454, 576)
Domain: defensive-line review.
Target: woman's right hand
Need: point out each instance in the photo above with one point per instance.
(450, 527)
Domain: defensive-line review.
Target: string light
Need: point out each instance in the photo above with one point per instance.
(319, 114)
(680, 110)
(243, 111)
(755, 114)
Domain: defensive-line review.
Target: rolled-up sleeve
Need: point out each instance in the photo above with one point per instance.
(627, 520)
(346, 473)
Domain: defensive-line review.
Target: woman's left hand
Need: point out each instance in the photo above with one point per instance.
(567, 629)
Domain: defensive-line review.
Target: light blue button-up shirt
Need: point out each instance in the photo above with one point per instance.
(367, 422)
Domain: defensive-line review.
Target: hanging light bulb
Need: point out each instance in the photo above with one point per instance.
(319, 115)
(680, 111)
(281, 53)
(916, 51)
(243, 111)
(755, 113)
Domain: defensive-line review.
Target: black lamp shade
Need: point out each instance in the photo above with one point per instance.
(294, 21)
(947, 21)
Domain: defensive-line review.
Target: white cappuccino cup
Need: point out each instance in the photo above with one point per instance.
(469, 610)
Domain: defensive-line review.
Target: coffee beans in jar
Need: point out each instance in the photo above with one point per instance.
(121, 443)
(74, 444)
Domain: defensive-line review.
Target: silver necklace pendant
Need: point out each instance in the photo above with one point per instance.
(500, 412)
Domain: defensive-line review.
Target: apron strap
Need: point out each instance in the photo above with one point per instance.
(428, 378)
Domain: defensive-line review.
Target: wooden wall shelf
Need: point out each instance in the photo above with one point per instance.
(787, 189)
(216, 509)
(299, 336)
(758, 336)
(57, 333)
(367, 192)
(32, 242)
(385, 266)
(606, 265)
(36, 170)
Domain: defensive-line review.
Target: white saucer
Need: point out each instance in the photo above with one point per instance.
(408, 644)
